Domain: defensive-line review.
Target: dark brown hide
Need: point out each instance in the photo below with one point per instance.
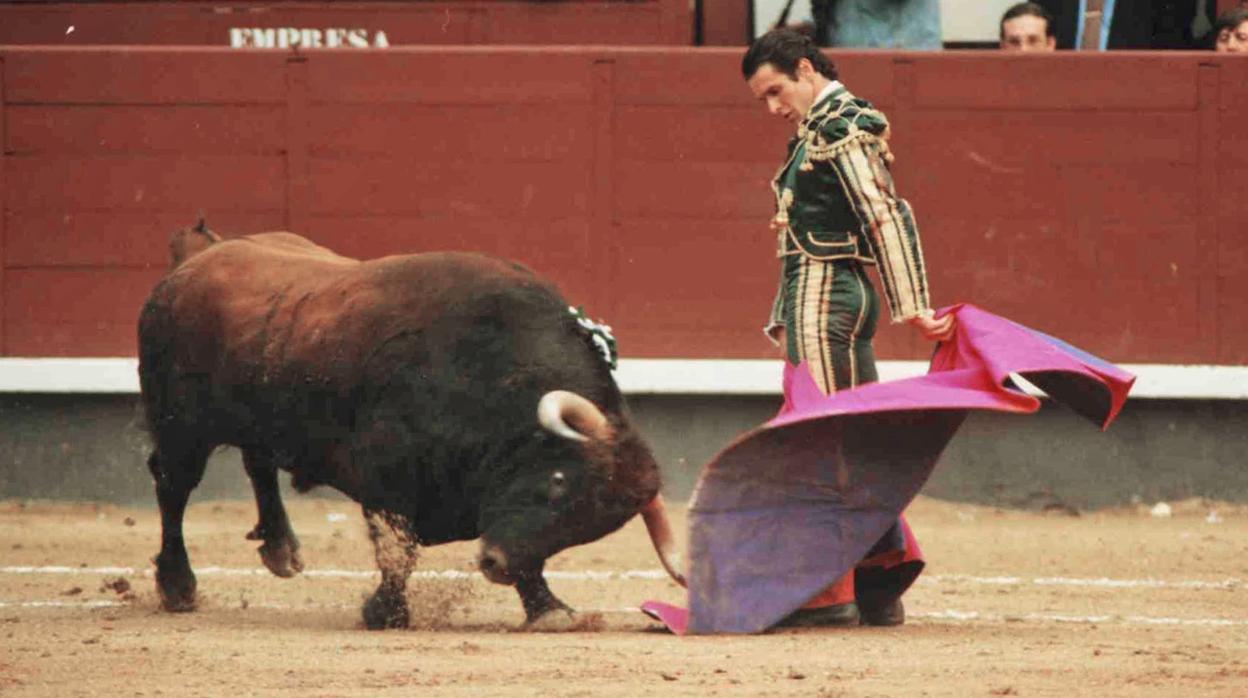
(410, 383)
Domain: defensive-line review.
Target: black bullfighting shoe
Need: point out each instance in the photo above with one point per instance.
(824, 617)
(891, 613)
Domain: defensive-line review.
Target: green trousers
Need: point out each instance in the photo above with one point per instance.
(830, 315)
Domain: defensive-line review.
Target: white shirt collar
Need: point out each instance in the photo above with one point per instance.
(831, 87)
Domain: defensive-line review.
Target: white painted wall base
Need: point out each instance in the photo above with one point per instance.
(636, 376)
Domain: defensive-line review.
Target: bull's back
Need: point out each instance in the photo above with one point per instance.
(261, 319)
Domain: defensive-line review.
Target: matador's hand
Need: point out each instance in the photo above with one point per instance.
(934, 329)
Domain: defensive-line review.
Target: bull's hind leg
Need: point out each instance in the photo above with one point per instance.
(280, 550)
(396, 555)
(177, 470)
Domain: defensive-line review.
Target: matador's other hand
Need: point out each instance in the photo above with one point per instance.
(777, 336)
(934, 329)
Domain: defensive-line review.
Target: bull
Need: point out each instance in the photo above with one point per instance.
(453, 395)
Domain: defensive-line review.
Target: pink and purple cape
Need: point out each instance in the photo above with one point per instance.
(795, 503)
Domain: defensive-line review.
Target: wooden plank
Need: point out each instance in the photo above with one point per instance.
(1028, 249)
(558, 249)
(183, 128)
(1084, 281)
(650, 76)
(1027, 139)
(675, 23)
(1232, 211)
(116, 238)
(1232, 111)
(1161, 253)
(726, 24)
(201, 24)
(721, 190)
(1205, 239)
(476, 133)
(663, 133)
(169, 183)
(1232, 334)
(1007, 80)
(5, 149)
(1146, 196)
(1161, 331)
(134, 75)
(946, 189)
(460, 22)
(455, 75)
(54, 312)
(1233, 73)
(298, 145)
(667, 77)
(603, 122)
(401, 186)
(1232, 259)
(688, 269)
(563, 23)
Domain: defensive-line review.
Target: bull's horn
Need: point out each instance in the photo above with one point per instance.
(571, 416)
(655, 516)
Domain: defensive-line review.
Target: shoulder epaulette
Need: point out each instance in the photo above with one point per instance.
(843, 124)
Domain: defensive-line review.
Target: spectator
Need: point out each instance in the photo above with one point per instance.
(1098, 25)
(895, 24)
(1230, 32)
(1027, 27)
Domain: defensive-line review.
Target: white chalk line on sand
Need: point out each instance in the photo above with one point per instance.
(654, 574)
(657, 574)
(946, 615)
(1106, 582)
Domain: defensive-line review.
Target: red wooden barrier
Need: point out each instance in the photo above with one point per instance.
(345, 23)
(1095, 197)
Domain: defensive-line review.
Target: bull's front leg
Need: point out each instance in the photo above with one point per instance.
(395, 549)
(542, 609)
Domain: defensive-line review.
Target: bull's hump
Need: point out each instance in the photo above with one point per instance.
(456, 268)
(462, 259)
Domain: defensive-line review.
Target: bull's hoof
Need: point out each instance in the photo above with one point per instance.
(175, 582)
(555, 620)
(281, 557)
(384, 612)
(564, 620)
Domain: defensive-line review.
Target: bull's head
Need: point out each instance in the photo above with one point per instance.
(585, 477)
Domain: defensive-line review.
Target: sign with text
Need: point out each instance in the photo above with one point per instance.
(293, 37)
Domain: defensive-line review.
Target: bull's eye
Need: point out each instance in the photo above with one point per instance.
(558, 485)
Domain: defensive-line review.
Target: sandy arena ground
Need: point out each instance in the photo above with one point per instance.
(1114, 603)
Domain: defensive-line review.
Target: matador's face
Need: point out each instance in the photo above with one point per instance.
(787, 97)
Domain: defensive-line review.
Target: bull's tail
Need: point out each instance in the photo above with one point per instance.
(188, 242)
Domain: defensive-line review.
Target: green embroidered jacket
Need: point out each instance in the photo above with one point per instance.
(835, 200)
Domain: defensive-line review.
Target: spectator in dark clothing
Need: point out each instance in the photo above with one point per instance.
(1098, 25)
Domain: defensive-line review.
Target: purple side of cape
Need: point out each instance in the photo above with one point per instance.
(794, 504)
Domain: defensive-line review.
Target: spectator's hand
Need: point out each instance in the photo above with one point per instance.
(934, 329)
